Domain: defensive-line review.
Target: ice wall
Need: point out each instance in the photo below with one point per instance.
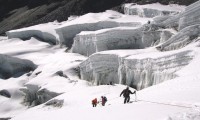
(137, 68)
(190, 16)
(145, 72)
(171, 21)
(181, 39)
(87, 43)
(67, 33)
(148, 10)
(14, 67)
(100, 69)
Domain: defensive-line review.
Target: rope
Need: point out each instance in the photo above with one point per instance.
(113, 98)
(155, 102)
(165, 104)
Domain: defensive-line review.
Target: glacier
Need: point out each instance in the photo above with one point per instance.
(161, 35)
(159, 58)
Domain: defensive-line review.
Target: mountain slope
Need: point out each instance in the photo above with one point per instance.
(15, 14)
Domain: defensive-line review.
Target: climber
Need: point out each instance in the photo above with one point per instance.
(126, 93)
(94, 102)
(103, 100)
(148, 22)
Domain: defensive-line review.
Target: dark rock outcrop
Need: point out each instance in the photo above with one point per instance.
(16, 14)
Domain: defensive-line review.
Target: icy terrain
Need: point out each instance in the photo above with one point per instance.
(107, 39)
(151, 10)
(99, 54)
(63, 33)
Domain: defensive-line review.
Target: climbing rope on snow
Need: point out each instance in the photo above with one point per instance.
(113, 98)
(165, 103)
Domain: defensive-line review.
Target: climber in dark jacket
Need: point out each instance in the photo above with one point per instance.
(126, 93)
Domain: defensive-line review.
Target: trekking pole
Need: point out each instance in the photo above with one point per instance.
(135, 97)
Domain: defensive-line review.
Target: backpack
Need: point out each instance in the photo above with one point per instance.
(105, 99)
(126, 93)
(94, 101)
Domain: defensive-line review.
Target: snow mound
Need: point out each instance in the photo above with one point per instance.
(189, 115)
(44, 32)
(32, 49)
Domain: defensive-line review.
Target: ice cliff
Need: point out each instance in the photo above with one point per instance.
(166, 35)
(151, 10)
(96, 21)
(181, 39)
(190, 16)
(126, 67)
(89, 42)
(107, 39)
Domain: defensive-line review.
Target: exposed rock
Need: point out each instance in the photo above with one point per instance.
(21, 13)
